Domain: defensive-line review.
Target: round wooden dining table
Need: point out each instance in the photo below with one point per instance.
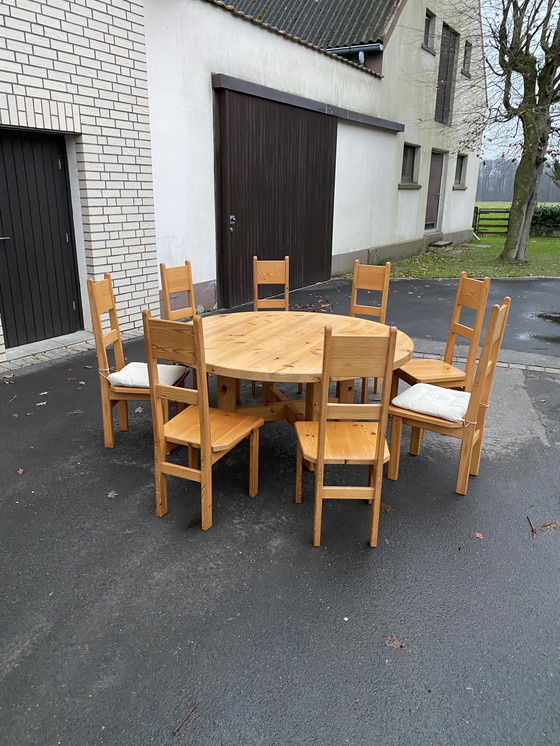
(280, 347)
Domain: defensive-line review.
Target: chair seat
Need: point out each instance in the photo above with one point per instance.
(135, 375)
(226, 428)
(435, 401)
(346, 442)
(428, 370)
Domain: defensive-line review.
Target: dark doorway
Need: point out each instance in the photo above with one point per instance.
(39, 290)
(434, 190)
(276, 168)
(446, 75)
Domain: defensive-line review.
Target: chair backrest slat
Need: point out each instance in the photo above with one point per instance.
(177, 394)
(337, 411)
(102, 301)
(370, 277)
(177, 280)
(271, 272)
(356, 357)
(486, 368)
(471, 294)
(174, 341)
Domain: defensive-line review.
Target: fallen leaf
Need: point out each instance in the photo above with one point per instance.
(345, 618)
(478, 535)
(15, 414)
(72, 378)
(112, 494)
(76, 411)
(8, 382)
(81, 383)
(431, 458)
(386, 508)
(40, 404)
(394, 642)
(139, 409)
(29, 414)
(8, 375)
(20, 471)
(88, 366)
(43, 393)
(71, 368)
(549, 528)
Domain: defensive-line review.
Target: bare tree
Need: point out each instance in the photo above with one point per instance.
(525, 36)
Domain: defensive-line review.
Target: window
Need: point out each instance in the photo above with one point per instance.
(460, 171)
(429, 31)
(446, 75)
(466, 69)
(409, 173)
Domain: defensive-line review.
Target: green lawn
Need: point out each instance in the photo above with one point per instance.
(480, 258)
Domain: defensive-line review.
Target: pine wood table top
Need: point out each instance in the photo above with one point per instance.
(282, 346)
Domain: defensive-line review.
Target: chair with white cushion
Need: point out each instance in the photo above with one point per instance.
(127, 382)
(459, 414)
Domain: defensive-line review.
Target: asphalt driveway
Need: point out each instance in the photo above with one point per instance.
(115, 622)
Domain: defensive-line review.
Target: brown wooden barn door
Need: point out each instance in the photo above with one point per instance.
(39, 291)
(276, 168)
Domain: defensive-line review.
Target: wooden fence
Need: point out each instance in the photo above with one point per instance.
(492, 221)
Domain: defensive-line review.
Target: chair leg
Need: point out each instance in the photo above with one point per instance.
(376, 505)
(253, 388)
(465, 461)
(416, 435)
(395, 448)
(299, 474)
(376, 385)
(238, 389)
(254, 463)
(477, 448)
(300, 388)
(123, 415)
(107, 416)
(161, 479)
(365, 385)
(205, 493)
(370, 480)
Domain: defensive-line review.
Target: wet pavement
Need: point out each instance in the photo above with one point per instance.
(116, 622)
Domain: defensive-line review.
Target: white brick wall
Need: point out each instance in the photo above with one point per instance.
(78, 66)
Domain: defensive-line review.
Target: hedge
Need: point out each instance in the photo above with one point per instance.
(547, 216)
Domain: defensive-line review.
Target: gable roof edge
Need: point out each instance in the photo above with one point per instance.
(267, 27)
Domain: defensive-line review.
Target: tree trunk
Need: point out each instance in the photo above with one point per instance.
(525, 188)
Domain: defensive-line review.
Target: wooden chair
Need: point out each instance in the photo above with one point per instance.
(275, 272)
(471, 294)
(128, 382)
(271, 272)
(177, 280)
(370, 277)
(470, 430)
(349, 433)
(208, 433)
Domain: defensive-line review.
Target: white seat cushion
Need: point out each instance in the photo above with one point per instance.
(135, 375)
(435, 401)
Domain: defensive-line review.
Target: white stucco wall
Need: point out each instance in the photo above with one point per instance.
(188, 40)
